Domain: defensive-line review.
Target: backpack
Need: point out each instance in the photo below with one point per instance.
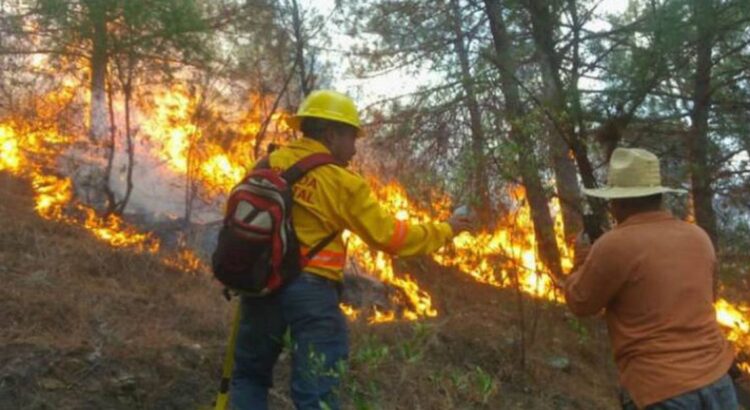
(257, 250)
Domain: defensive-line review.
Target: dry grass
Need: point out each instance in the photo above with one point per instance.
(159, 335)
(469, 357)
(64, 287)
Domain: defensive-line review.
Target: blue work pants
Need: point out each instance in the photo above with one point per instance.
(719, 395)
(309, 308)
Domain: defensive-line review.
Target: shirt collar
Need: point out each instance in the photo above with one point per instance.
(309, 145)
(647, 217)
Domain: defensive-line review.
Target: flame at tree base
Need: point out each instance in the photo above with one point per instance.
(35, 151)
(507, 256)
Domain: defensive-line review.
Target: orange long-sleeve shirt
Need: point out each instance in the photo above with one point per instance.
(331, 198)
(654, 276)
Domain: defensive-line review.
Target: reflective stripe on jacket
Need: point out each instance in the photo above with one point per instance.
(331, 198)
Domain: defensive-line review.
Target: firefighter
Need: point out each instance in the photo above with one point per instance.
(653, 275)
(328, 199)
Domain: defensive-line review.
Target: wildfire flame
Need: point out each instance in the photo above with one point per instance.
(509, 254)
(380, 264)
(496, 258)
(187, 261)
(32, 154)
(734, 318)
(179, 141)
(349, 311)
(11, 157)
(506, 256)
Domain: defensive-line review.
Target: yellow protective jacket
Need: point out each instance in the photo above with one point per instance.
(331, 198)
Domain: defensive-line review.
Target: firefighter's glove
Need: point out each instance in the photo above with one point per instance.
(463, 219)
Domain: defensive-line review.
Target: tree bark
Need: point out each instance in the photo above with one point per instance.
(564, 120)
(299, 44)
(566, 182)
(514, 116)
(698, 143)
(566, 178)
(110, 152)
(98, 66)
(130, 151)
(126, 64)
(479, 184)
(190, 183)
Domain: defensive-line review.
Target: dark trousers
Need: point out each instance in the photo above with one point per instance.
(309, 308)
(719, 395)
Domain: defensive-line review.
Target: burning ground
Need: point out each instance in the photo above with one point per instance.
(120, 311)
(94, 326)
(103, 314)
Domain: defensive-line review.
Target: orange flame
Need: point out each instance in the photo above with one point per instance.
(187, 261)
(38, 150)
(381, 317)
(509, 254)
(180, 142)
(734, 319)
(10, 156)
(491, 258)
(349, 311)
(506, 256)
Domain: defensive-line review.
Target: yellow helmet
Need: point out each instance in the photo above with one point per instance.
(328, 105)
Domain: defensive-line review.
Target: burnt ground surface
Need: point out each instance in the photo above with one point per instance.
(86, 326)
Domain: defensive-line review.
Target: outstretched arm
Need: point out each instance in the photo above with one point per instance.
(361, 213)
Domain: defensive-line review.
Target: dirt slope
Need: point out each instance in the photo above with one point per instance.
(85, 326)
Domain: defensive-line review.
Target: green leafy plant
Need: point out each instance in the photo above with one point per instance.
(485, 383)
(371, 353)
(459, 379)
(580, 329)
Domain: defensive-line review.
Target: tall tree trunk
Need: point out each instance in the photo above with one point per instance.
(299, 44)
(190, 183)
(98, 65)
(566, 178)
(514, 116)
(110, 152)
(698, 143)
(128, 90)
(125, 74)
(193, 151)
(566, 182)
(563, 121)
(479, 185)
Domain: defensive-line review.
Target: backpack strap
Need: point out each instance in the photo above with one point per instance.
(264, 163)
(320, 245)
(306, 164)
(295, 173)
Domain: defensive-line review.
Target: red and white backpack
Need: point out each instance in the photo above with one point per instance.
(258, 251)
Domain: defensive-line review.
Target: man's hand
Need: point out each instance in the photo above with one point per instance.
(460, 223)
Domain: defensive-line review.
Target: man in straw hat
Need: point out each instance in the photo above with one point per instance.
(653, 276)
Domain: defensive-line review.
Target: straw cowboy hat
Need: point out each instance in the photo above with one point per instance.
(633, 172)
